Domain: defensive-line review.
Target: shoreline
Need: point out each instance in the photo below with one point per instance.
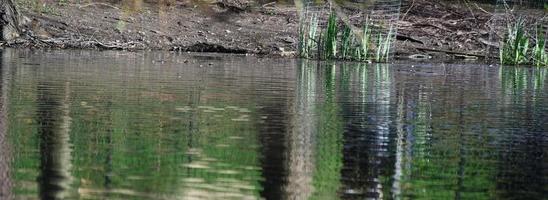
(436, 30)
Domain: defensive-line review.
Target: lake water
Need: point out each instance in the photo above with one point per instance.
(152, 125)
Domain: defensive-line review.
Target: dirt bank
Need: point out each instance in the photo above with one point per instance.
(427, 26)
(180, 25)
(223, 26)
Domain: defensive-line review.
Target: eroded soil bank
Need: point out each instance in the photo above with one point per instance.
(235, 27)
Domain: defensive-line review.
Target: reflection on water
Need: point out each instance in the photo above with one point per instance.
(53, 125)
(6, 182)
(119, 125)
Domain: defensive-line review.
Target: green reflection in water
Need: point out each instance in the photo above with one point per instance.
(348, 131)
(517, 79)
(23, 135)
(122, 141)
(442, 160)
(328, 156)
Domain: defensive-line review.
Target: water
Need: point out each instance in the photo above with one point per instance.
(145, 125)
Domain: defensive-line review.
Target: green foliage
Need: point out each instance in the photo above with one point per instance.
(540, 57)
(351, 47)
(330, 37)
(383, 46)
(346, 44)
(515, 45)
(365, 43)
(516, 48)
(307, 34)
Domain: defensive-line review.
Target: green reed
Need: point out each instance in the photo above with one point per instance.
(346, 44)
(366, 48)
(540, 56)
(383, 46)
(515, 46)
(365, 45)
(307, 36)
(330, 38)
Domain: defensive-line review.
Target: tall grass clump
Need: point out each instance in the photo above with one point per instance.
(330, 38)
(307, 36)
(365, 44)
(341, 42)
(346, 42)
(383, 46)
(516, 44)
(540, 56)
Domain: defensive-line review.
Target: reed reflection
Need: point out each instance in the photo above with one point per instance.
(129, 128)
(524, 141)
(366, 94)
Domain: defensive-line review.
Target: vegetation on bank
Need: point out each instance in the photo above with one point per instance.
(341, 43)
(328, 39)
(320, 36)
(517, 48)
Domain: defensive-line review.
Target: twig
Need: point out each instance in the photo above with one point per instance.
(481, 9)
(408, 9)
(470, 9)
(269, 4)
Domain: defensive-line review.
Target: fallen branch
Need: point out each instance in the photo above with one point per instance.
(481, 9)
(406, 12)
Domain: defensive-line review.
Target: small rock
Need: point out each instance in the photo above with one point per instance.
(420, 57)
(288, 40)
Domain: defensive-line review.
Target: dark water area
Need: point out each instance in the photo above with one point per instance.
(151, 125)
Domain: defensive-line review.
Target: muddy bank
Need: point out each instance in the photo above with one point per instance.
(427, 26)
(180, 25)
(253, 28)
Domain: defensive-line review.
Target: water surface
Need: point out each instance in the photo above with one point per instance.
(146, 125)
